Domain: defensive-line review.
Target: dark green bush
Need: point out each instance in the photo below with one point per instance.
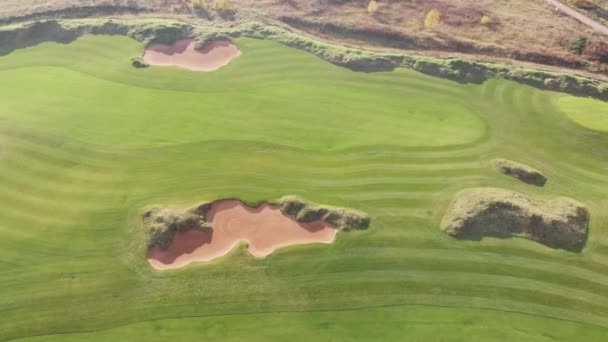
(201, 42)
(578, 44)
(339, 218)
(139, 63)
(162, 224)
(291, 205)
(311, 213)
(347, 219)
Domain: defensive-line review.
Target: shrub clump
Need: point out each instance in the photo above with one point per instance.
(161, 224)
(559, 223)
(340, 218)
(291, 205)
(210, 37)
(347, 219)
(520, 171)
(311, 213)
(139, 63)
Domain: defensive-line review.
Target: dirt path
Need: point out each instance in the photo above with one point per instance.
(578, 16)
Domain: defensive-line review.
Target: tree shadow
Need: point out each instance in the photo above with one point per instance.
(183, 243)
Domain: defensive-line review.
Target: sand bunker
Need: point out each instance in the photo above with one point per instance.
(264, 229)
(182, 53)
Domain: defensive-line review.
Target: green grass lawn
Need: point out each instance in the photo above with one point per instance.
(587, 112)
(86, 141)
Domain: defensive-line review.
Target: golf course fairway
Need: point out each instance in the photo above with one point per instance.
(87, 141)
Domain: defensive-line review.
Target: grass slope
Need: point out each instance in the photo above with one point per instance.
(390, 323)
(587, 112)
(248, 100)
(86, 141)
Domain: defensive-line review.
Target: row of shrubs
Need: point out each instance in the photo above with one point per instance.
(340, 218)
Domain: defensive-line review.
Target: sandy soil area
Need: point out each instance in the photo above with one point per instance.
(264, 229)
(183, 54)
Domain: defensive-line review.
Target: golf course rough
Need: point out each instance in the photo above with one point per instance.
(524, 173)
(211, 230)
(559, 223)
(87, 141)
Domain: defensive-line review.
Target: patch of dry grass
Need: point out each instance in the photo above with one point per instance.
(519, 29)
(559, 223)
(524, 173)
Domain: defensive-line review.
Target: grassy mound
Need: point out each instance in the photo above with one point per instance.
(559, 223)
(520, 171)
(339, 218)
(161, 224)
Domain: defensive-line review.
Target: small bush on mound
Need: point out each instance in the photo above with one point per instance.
(201, 209)
(559, 223)
(339, 218)
(162, 224)
(347, 219)
(139, 63)
(161, 32)
(311, 213)
(291, 205)
(202, 41)
(520, 171)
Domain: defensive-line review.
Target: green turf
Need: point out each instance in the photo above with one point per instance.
(411, 323)
(86, 141)
(587, 112)
(233, 103)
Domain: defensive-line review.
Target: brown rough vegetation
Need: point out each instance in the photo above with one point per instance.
(520, 171)
(523, 30)
(529, 31)
(559, 223)
(162, 224)
(340, 218)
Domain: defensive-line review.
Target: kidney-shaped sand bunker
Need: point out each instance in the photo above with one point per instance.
(183, 53)
(211, 230)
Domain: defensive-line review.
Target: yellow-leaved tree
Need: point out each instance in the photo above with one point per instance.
(485, 20)
(195, 4)
(221, 5)
(372, 7)
(433, 18)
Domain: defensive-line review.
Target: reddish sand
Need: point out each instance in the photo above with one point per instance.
(182, 54)
(264, 228)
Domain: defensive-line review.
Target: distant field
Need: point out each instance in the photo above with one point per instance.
(86, 141)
